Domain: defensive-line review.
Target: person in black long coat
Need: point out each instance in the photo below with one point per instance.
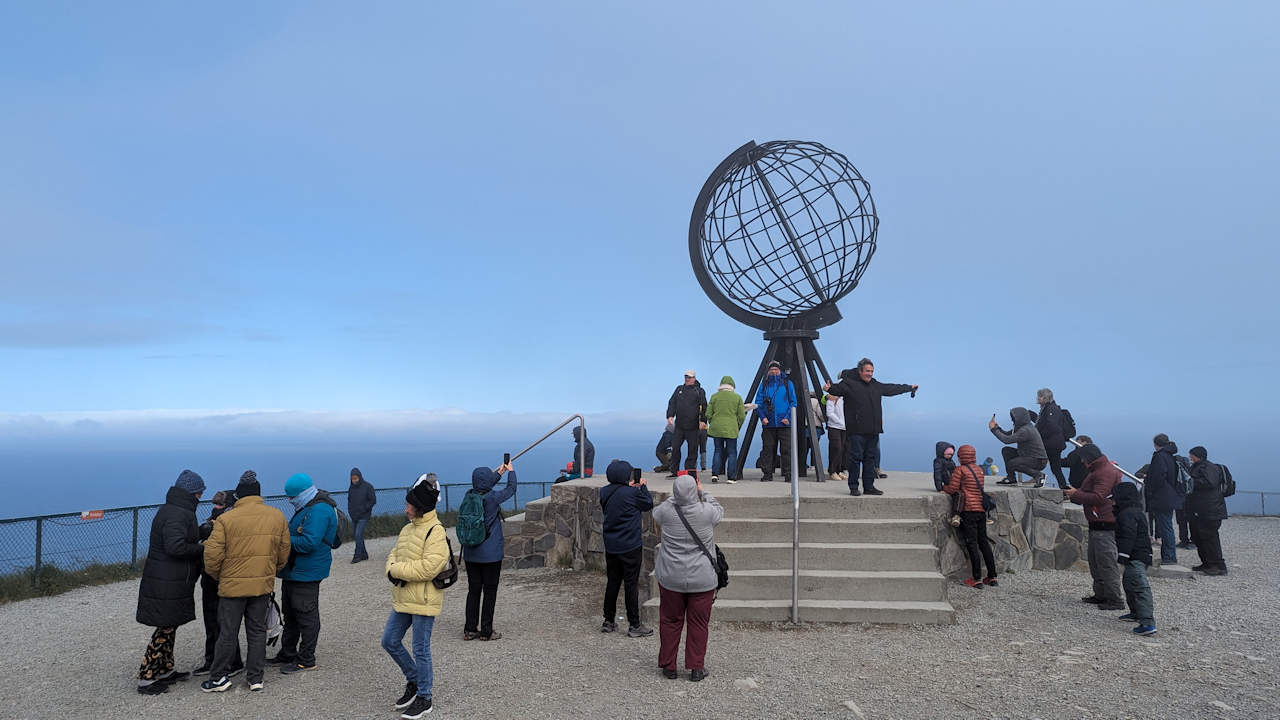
(166, 595)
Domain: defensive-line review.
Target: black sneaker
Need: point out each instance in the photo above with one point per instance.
(281, 659)
(158, 687)
(697, 675)
(608, 626)
(1091, 599)
(1112, 606)
(873, 491)
(1199, 568)
(855, 492)
(639, 631)
(420, 707)
(175, 676)
(670, 674)
(410, 692)
(202, 670)
(222, 684)
(1039, 480)
(292, 668)
(1215, 571)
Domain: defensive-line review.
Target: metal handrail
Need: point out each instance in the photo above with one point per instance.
(1126, 473)
(795, 523)
(582, 445)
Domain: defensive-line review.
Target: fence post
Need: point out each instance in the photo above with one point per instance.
(39, 548)
(133, 561)
(446, 497)
(1264, 503)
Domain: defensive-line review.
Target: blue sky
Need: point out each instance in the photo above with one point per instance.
(484, 206)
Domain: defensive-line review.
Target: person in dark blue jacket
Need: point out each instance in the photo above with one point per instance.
(1162, 497)
(624, 503)
(774, 401)
(484, 561)
(1133, 553)
(313, 529)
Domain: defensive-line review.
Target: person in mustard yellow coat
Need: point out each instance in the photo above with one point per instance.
(421, 553)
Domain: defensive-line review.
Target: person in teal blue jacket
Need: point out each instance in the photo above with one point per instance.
(774, 401)
(313, 531)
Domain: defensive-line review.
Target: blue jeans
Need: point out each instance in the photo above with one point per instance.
(1164, 528)
(864, 451)
(725, 449)
(416, 667)
(1137, 592)
(360, 552)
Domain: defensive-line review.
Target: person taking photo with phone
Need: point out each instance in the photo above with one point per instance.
(624, 501)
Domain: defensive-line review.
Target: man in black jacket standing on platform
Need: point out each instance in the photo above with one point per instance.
(360, 501)
(863, 421)
(687, 413)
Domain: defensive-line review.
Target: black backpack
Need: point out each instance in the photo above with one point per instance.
(1226, 484)
(1068, 423)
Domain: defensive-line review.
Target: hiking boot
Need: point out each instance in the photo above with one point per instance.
(670, 674)
(203, 669)
(1093, 599)
(1129, 617)
(1111, 606)
(1145, 630)
(491, 636)
(873, 491)
(222, 684)
(297, 667)
(406, 699)
(975, 584)
(990, 581)
(637, 631)
(697, 675)
(255, 686)
(420, 707)
(608, 626)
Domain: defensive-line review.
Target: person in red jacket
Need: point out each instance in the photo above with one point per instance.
(968, 480)
(1099, 510)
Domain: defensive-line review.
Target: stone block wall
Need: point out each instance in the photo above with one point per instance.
(1034, 529)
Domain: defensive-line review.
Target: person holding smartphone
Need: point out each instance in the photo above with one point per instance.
(624, 501)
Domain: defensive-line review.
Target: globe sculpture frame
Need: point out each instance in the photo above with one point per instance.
(780, 232)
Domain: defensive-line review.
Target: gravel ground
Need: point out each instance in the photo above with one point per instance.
(1028, 649)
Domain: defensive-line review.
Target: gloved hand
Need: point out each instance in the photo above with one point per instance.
(396, 581)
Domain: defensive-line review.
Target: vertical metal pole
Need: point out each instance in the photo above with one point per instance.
(446, 497)
(39, 547)
(1264, 503)
(795, 525)
(582, 447)
(133, 561)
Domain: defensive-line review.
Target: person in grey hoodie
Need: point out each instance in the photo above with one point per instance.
(1030, 457)
(686, 576)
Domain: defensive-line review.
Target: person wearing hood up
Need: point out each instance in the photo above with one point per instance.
(484, 561)
(1161, 496)
(313, 531)
(966, 483)
(166, 595)
(1099, 510)
(864, 421)
(687, 416)
(725, 413)
(623, 501)
(774, 401)
(223, 500)
(1030, 456)
(943, 465)
(580, 445)
(420, 554)
(663, 450)
(687, 578)
(360, 501)
(1133, 553)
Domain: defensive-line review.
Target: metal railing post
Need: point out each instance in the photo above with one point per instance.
(39, 548)
(1263, 497)
(446, 497)
(133, 561)
(795, 523)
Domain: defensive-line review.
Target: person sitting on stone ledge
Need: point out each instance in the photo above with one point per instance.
(1030, 456)
(623, 501)
(943, 465)
(1095, 495)
(663, 451)
(581, 446)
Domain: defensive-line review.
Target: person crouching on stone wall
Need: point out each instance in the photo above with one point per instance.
(1030, 456)
(686, 576)
(484, 559)
(1099, 510)
(421, 552)
(166, 595)
(966, 482)
(623, 501)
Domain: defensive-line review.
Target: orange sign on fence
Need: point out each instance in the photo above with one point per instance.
(91, 514)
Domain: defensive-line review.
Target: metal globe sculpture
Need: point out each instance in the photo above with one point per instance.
(780, 232)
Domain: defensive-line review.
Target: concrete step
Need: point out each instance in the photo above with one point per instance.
(746, 530)
(832, 585)
(832, 556)
(826, 507)
(826, 611)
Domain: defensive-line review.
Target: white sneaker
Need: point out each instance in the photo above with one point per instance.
(715, 478)
(731, 481)
(255, 687)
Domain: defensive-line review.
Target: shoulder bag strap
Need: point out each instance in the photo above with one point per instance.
(976, 481)
(695, 537)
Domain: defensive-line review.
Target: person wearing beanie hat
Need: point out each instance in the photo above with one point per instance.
(624, 502)
(166, 594)
(420, 554)
(361, 497)
(1099, 510)
(1207, 509)
(248, 485)
(687, 413)
(484, 561)
(223, 500)
(313, 531)
(774, 401)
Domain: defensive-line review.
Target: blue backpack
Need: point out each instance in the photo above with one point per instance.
(471, 527)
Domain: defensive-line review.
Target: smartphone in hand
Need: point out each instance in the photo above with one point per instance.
(636, 476)
(506, 458)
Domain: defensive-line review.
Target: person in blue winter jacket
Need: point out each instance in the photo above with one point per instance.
(624, 502)
(484, 561)
(774, 401)
(313, 529)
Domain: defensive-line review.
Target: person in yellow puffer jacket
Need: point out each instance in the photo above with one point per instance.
(421, 552)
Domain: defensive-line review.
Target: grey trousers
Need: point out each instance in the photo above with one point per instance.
(1137, 591)
(1103, 566)
(254, 612)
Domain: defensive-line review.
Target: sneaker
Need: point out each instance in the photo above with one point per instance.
(639, 631)
(1039, 480)
(975, 584)
(1185, 545)
(1145, 630)
(881, 474)
(410, 692)
(873, 491)
(202, 670)
(1111, 606)
(767, 478)
(731, 481)
(470, 635)
(1128, 617)
(855, 492)
(670, 674)
(697, 675)
(220, 685)
(990, 581)
(1093, 599)
(420, 707)
(714, 478)
(158, 687)
(608, 626)
(175, 676)
(255, 686)
(1200, 568)
(297, 667)
(282, 659)
(1215, 571)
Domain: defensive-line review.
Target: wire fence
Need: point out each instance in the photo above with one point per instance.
(71, 541)
(1254, 502)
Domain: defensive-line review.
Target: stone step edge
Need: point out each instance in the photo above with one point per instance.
(854, 574)
(833, 521)
(939, 605)
(827, 546)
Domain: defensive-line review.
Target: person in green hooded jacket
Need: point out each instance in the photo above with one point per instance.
(725, 414)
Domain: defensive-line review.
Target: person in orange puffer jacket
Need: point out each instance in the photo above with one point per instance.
(967, 480)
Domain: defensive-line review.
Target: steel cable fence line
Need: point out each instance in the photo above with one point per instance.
(122, 535)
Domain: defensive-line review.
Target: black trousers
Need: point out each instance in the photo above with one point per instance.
(623, 570)
(209, 603)
(1205, 535)
(1025, 465)
(973, 531)
(835, 450)
(300, 604)
(482, 582)
(702, 445)
(1055, 466)
(775, 440)
(681, 437)
(254, 612)
(1184, 527)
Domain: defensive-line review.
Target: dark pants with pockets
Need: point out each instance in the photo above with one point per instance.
(482, 580)
(254, 612)
(623, 570)
(301, 607)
